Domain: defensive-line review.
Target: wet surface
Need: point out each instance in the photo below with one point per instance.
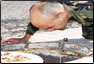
(54, 59)
(49, 55)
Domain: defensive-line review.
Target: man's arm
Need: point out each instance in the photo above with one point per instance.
(29, 32)
(17, 40)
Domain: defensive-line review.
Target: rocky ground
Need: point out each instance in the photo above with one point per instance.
(14, 18)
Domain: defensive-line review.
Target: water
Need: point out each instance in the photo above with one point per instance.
(61, 46)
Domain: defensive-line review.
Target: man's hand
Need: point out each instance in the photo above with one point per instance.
(16, 40)
(13, 41)
(2, 41)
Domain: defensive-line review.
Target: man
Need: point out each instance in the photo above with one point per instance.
(56, 17)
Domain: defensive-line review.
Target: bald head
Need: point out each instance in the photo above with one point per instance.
(37, 18)
(51, 8)
(44, 14)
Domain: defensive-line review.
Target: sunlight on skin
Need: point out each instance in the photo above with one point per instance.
(49, 22)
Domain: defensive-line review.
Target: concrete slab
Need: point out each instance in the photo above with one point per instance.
(73, 34)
